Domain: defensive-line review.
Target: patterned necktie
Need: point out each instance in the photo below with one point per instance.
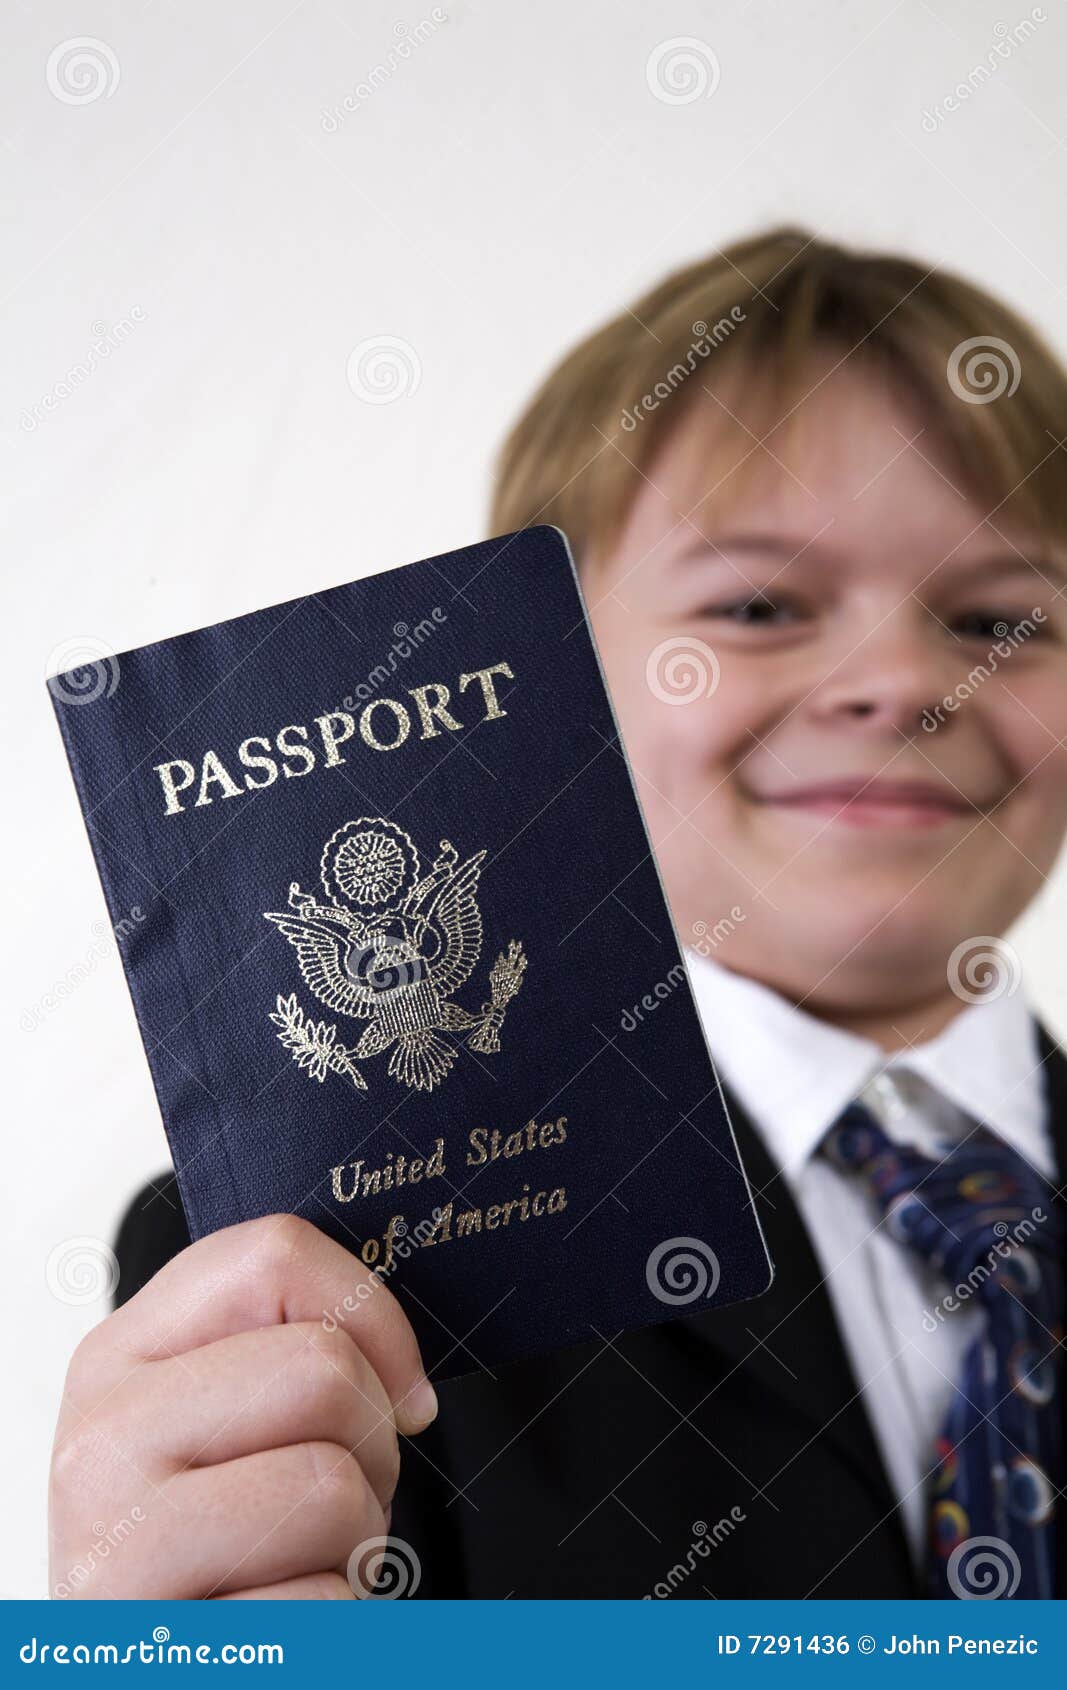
(987, 1224)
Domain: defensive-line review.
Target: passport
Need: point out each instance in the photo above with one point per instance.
(401, 958)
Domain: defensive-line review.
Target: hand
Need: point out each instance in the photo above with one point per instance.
(232, 1430)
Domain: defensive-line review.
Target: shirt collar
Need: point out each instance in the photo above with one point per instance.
(793, 1074)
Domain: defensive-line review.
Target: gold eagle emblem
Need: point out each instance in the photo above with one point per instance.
(391, 946)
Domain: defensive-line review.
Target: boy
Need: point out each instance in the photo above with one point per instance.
(818, 504)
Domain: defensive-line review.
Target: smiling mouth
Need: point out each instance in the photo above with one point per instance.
(877, 803)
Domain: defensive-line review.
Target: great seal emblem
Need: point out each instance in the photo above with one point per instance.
(391, 946)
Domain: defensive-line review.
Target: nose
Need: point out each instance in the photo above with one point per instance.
(887, 679)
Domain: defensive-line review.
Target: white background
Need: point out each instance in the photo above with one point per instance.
(512, 183)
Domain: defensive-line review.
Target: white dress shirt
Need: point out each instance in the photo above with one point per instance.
(793, 1075)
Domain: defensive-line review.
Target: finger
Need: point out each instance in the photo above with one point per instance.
(266, 1518)
(263, 1390)
(270, 1272)
(315, 1587)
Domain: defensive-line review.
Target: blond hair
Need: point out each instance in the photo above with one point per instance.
(988, 388)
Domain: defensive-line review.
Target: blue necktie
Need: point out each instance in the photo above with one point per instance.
(987, 1223)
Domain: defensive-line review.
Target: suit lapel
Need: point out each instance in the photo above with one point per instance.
(788, 1337)
(1054, 1072)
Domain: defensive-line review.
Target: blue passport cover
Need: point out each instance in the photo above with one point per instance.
(388, 913)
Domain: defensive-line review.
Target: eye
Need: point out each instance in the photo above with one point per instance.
(991, 625)
(756, 612)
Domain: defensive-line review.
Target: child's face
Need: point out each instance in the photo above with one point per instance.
(805, 793)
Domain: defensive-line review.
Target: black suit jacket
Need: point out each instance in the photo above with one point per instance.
(728, 1454)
